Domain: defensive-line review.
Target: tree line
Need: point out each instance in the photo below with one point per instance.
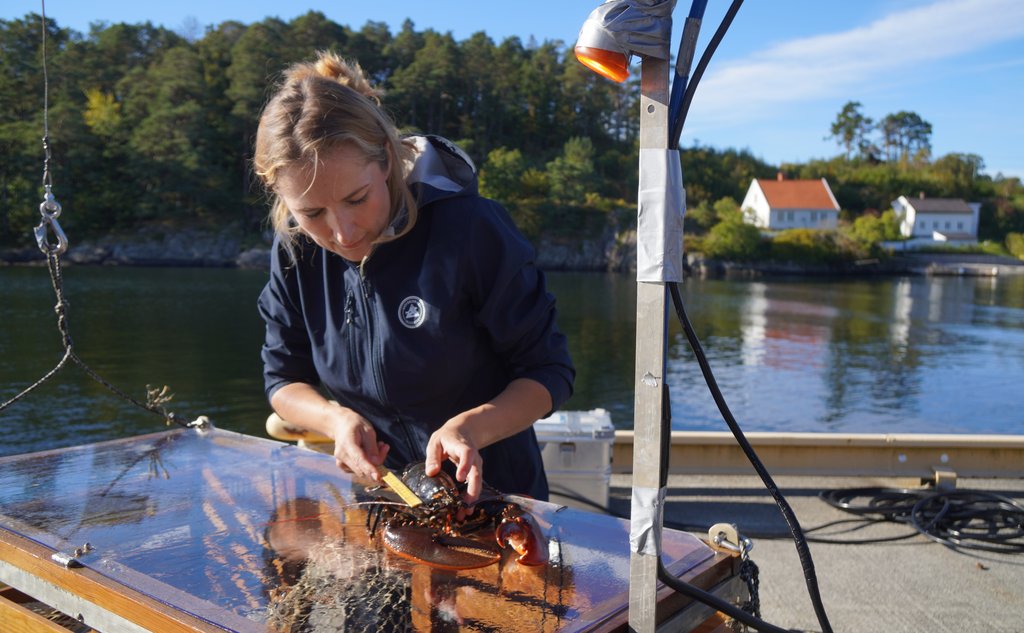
(149, 125)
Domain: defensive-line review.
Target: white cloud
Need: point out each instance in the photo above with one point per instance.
(848, 64)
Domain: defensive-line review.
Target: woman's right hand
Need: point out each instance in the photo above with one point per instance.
(356, 448)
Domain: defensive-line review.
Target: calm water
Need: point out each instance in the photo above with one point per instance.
(891, 355)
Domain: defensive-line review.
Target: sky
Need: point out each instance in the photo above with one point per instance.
(776, 83)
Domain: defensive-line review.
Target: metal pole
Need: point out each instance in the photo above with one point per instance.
(651, 335)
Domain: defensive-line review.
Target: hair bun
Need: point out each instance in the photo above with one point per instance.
(331, 66)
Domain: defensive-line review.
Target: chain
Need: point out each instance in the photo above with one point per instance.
(750, 574)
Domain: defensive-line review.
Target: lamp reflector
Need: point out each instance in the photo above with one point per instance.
(610, 64)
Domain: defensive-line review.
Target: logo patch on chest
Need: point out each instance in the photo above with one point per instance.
(412, 312)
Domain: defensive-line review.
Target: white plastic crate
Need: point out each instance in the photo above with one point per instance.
(577, 450)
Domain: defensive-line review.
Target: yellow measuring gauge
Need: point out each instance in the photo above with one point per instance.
(396, 484)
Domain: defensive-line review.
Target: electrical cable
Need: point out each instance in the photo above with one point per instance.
(960, 519)
(691, 29)
(714, 601)
(680, 111)
(803, 551)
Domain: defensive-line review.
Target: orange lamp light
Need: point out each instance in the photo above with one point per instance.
(613, 65)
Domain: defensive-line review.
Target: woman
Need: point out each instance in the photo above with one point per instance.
(405, 318)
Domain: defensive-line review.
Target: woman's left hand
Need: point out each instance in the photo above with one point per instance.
(453, 442)
(460, 439)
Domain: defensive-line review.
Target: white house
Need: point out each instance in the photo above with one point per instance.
(790, 204)
(948, 220)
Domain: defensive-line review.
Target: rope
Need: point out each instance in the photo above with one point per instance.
(155, 398)
(47, 179)
(960, 519)
(49, 210)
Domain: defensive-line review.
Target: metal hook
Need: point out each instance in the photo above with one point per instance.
(50, 210)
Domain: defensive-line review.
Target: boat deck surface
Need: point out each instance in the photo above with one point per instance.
(912, 585)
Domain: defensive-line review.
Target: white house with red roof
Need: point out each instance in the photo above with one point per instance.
(949, 220)
(782, 204)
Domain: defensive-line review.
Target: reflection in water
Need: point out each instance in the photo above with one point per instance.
(895, 355)
(783, 333)
(913, 354)
(246, 533)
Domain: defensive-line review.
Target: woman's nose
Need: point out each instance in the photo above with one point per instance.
(341, 225)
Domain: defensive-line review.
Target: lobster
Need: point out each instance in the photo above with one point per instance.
(442, 532)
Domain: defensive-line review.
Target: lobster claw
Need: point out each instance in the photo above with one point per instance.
(520, 531)
(440, 551)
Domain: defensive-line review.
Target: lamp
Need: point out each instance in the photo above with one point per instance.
(619, 29)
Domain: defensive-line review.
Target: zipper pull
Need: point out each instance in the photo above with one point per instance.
(350, 309)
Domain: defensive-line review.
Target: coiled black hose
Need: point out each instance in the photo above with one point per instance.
(962, 519)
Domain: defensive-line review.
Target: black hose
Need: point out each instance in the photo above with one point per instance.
(960, 519)
(714, 601)
(804, 553)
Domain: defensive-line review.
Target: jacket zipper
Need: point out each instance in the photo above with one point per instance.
(377, 361)
(376, 353)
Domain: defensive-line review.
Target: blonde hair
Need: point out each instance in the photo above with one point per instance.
(320, 106)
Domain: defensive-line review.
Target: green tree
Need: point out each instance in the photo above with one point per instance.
(539, 88)
(172, 155)
(401, 50)
(311, 32)
(710, 174)
(257, 58)
(851, 128)
(478, 103)
(501, 176)
(369, 46)
(905, 134)
(1015, 244)
(425, 90)
(869, 230)
(699, 218)
(733, 239)
(956, 174)
(586, 105)
(571, 175)
(805, 246)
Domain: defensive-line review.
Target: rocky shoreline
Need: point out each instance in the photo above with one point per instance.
(233, 248)
(612, 251)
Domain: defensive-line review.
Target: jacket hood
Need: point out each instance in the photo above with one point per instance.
(439, 170)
